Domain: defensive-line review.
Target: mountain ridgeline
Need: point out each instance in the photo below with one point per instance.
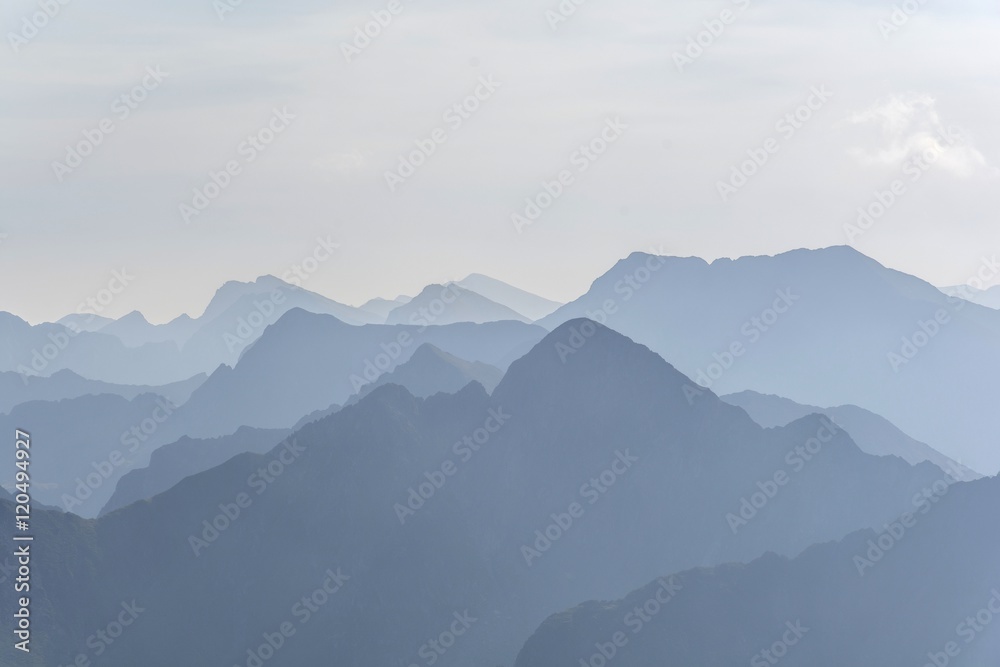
(591, 470)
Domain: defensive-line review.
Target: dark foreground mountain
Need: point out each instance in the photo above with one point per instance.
(403, 531)
(923, 591)
(872, 433)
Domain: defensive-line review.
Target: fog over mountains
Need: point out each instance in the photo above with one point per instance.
(480, 476)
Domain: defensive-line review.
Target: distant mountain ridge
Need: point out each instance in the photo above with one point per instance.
(822, 327)
(874, 434)
(450, 304)
(67, 384)
(431, 370)
(523, 302)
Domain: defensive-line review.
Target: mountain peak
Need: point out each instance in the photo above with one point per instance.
(446, 304)
(581, 352)
(134, 317)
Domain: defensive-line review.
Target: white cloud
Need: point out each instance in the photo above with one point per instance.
(909, 126)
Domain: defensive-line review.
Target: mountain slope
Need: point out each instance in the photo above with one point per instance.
(312, 361)
(530, 305)
(382, 307)
(67, 384)
(984, 297)
(431, 370)
(873, 434)
(171, 463)
(83, 445)
(822, 327)
(46, 348)
(849, 603)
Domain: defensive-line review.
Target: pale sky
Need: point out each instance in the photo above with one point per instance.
(892, 97)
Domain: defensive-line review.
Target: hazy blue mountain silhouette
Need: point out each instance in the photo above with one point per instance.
(67, 384)
(83, 445)
(921, 595)
(382, 307)
(440, 304)
(569, 417)
(872, 433)
(845, 314)
(134, 330)
(133, 351)
(984, 297)
(46, 348)
(307, 362)
(520, 301)
(431, 370)
(173, 462)
(85, 321)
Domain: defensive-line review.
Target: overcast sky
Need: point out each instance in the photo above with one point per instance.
(681, 128)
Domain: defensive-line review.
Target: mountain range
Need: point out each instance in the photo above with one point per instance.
(821, 327)
(590, 470)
